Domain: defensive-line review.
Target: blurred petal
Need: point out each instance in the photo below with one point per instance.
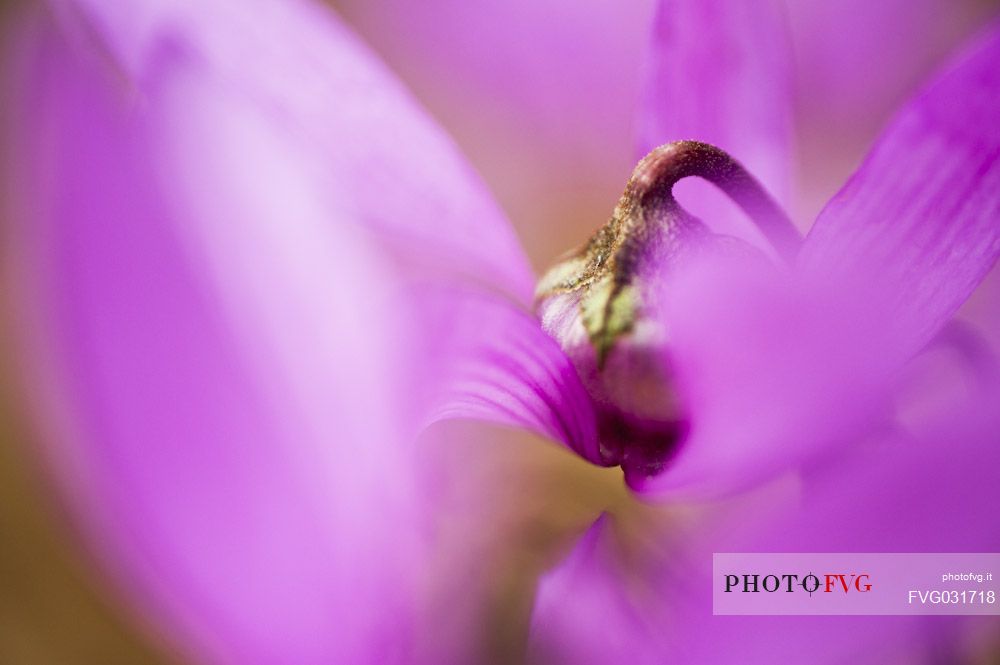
(235, 235)
(932, 491)
(857, 60)
(382, 155)
(540, 95)
(919, 218)
(720, 72)
(582, 614)
(390, 170)
(771, 368)
(220, 467)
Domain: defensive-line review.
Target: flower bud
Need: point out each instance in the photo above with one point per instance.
(601, 303)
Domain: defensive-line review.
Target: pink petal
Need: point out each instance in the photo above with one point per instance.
(540, 95)
(392, 172)
(237, 237)
(400, 173)
(857, 60)
(582, 613)
(720, 72)
(771, 368)
(919, 218)
(204, 452)
(776, 369)
(493, 365)
(933, 490)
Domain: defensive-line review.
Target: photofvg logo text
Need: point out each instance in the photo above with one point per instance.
(842, 584)
(792, 583)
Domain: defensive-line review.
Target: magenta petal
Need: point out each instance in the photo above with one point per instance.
(248, 499)
(541, 96)
(720, 72)
(933, 490)
(856, 59)
(382, 158)
(771, 369)
(583, 614)
(495, 364)
(223, 223)
(776, 369)
(919, 219)
(387, 169)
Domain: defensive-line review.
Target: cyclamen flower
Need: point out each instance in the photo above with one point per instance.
(252, 273)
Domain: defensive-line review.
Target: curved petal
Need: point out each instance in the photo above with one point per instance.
(583, 614)
(918, 221)
(771, 369)
(400, 173)
(237, 238)
(720, 72)
(387, 168)
(494, 366)
(205, 452)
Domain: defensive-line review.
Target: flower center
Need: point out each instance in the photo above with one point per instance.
(600, 302)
